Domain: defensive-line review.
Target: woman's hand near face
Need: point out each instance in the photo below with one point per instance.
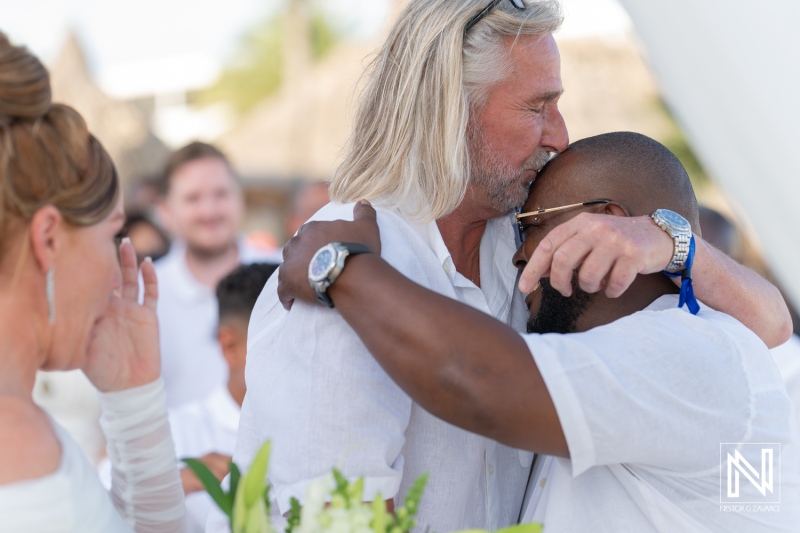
(123, 348)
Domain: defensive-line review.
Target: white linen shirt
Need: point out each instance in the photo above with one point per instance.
(787, 359)
(200, 428)
(191, 361)
(314, 390)
(645, 403)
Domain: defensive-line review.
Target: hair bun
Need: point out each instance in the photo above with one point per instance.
(24, 84)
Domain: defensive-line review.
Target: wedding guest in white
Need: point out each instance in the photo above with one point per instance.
(306, 200)
(202, 208)
(459, 113)
(60, 209)
(207, 429)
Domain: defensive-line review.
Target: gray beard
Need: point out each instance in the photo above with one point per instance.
(505, 186)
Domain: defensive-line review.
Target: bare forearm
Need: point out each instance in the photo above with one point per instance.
(458, 363)
(727, 286)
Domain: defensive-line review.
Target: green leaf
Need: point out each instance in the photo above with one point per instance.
(258, 519)
(523, 528)
(239, 515)
(381, 519)
(293, 518)
(210, 483)
(355, 492)
(236, 475)
(404, 516)
(341, 483)
(256, 477)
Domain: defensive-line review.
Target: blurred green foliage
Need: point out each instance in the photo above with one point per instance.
(679, 145)
(256, 70)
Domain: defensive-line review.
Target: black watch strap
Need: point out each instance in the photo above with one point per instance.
(353, 248)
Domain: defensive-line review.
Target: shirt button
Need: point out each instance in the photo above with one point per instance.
(491, 470)
(447, 268)
(543, 482)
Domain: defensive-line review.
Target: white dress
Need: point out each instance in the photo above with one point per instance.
(146, 493)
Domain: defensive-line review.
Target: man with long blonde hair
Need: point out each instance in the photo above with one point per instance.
(459, 114)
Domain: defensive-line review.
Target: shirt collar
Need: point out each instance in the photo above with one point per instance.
(498, 246)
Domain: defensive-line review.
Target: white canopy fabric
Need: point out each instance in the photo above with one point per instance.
(730, 72)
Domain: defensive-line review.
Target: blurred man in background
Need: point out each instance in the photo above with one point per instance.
(721, 233)
(147, 238)
(203, 209)
(306, 200)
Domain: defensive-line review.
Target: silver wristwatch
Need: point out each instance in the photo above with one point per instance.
(327, 264)
(680, 230)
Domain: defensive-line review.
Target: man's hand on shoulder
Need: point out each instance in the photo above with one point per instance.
(293, 274)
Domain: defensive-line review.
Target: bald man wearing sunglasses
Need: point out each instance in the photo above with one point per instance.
(634, 402)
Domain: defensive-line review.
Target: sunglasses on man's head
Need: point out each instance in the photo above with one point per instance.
(519, 4)
(520, 216)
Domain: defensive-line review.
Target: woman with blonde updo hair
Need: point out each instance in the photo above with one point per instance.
(60, 209)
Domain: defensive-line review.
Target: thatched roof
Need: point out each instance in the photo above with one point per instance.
(120, 126)
(300, 133)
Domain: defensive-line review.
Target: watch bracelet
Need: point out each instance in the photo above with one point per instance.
(680, 253)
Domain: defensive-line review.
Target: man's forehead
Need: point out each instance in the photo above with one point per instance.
(555, 185)
(536, 65)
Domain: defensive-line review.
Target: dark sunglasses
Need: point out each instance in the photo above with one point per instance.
(519, 4)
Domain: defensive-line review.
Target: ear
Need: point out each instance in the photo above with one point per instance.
(45, 229)
(615, 209)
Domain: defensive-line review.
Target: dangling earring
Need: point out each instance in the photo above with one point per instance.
(51, 296)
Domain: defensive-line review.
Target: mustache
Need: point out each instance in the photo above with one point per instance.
(538, 160)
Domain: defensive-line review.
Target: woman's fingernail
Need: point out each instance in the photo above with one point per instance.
(148, 259)
(126, 240)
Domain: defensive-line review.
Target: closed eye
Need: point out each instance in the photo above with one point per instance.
(526, 228)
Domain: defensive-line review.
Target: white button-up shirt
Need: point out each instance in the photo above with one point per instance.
(191, 360)
(314, 390)
(200, 428)
(645, 404)
(787, 359)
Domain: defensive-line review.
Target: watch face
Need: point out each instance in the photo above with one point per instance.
(673, 219)
(321, 264)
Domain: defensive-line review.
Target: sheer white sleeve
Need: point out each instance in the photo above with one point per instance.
(145, 484)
